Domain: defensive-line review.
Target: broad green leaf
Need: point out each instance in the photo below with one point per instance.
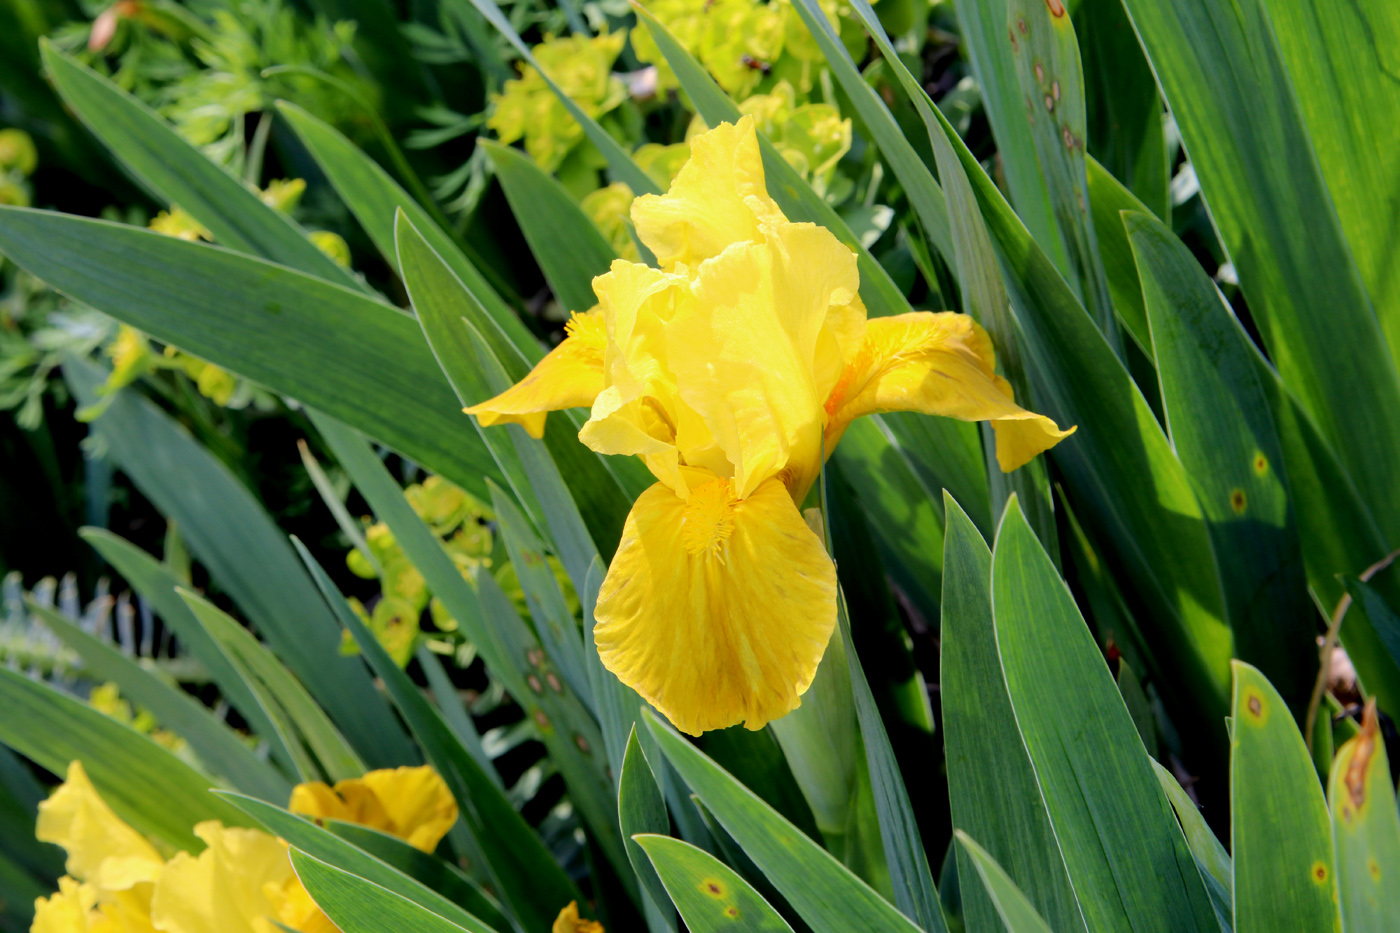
(1207, 849)
(525, 875)
(323, 844)
(180, 175)
(620, 164)
(1345, 71)
(989, 48)
(1123, 850)
(1124, 110)
(1108, 198)
(356, 905)
(375, 198)
(991, 783)
(1219, 422)
(1366, 833)
(1369, 609)
(919, 186)
(330, 347)
(819, 888)
(20, 794)
(302, 722)
(146, 785)
(157, 586)
(710, 895)
(248, 556)
(214, 744)
(1280, 836)
(642, 809)
(1046, 53)
(1222, 73)
(1014, 908)
(569, 249)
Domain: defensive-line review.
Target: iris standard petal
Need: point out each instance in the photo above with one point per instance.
(715, 609)
(227, 888)
(937, 364)
(102, 850)
(717, 198)
(570, 376)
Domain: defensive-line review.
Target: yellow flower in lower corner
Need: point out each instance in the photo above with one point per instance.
(732, 371)
(569, 921)
(230, 887)
(413, 804)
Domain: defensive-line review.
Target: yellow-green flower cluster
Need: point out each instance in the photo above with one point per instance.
(811, 137)
(18, 160)
(608, 206)
(107, 699)
(528, 109)
(745, 44)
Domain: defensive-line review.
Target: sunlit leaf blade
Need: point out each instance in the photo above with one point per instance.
(182, 176)
(525, 874)
(1014, 908)
(710, 895)
(569, 249)
(327, 346)
(236, 540)
(819, 888)
(1366, 833)
(1046, 53)
(1219, 421)
(1345, 75)
(642, 809)
(991, 783)
(320, 843)
(214, 744)
(1221, 71)
(375, 198)
(1280, 836)
(1123, 850)
(356, 905)
(320, 750)
(148, 787)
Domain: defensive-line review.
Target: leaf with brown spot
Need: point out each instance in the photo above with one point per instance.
(1365, 831)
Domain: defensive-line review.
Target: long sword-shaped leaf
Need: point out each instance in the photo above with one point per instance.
(1222, 73)
(1123, 850)
(356, 905)
(1280, 836)
(1365, 832)
(180, 175)
(642, 809)
(991, 782)
(1014, 908)
(711, 896)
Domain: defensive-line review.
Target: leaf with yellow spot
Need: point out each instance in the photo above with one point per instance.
(1281, 839)
(709, 894)
(1366, 831)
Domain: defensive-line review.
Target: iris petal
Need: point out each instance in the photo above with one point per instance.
(716, 609)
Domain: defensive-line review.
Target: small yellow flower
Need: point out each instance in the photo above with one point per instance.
(608, 208)
(569, 921)
(17, 151)
(332, 244)
(179, 224)
(283, 194)
(411, 803)
(731, 371)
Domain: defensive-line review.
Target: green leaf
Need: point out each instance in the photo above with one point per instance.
(356, 905)
(822, 890)
(247, 555)
(1014, 908)
(1124, 110)
(1123, 850)
(375, 198)
(157, 586)
(1370, 610)
(524, 874)
(1220, 425)
(323, 844)
(301, 721)
(154, 792)
(213, 743)
(1211, 856)
(919, 186)
(1221, 71)
(1346, 79)
(569, 249)
(1108, 198)
(642, 809)
(327, 346)
(1046, 53)
(1366, 833)
(180, 175)
(991, 783)
(1280, 835)
(709, 894)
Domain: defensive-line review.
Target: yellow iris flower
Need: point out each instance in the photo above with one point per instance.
(569, 921)
(731, 371)
(240, 883)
